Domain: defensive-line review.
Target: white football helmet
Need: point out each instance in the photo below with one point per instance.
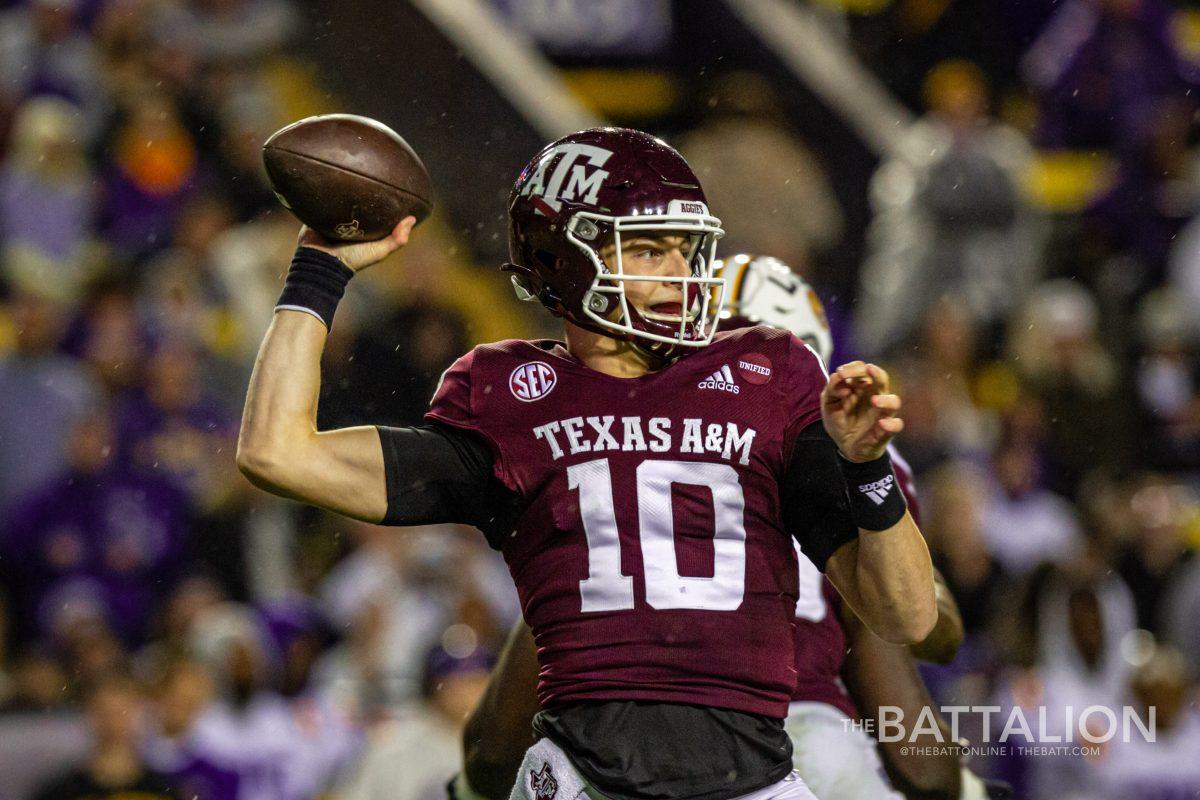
(764, 291)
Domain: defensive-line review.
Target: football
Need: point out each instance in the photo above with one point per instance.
(347, 177)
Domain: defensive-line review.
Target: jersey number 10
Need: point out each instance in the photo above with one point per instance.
(606, 589)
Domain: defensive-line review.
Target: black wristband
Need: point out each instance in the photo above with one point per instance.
(876, 502)
(315, 284)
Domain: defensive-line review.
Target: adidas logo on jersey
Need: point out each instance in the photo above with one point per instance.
(877, 491)
(721, 379)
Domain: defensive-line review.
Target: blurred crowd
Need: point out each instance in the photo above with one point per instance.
(1031, 277)
(1030, 274)
(166, 629)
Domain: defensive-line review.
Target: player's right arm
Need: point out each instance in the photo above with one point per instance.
(279, 447)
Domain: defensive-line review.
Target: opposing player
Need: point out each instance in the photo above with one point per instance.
(640, 497)
(837, 760)
(843, 669)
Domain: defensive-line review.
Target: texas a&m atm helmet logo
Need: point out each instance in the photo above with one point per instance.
(576, 177)
(532, 381)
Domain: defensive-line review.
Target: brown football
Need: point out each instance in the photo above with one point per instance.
(347, 177)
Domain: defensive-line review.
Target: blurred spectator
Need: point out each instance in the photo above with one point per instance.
(99, 537)
(386, 627)
(191, 598)
(172, 428)
(247, 116)
(393, 597)
(80, 631)
(44, 393)
(1024, 524)
(1100, 68)
(1117, 75)
(231, 32)
(179, 294)
(154, 168)
(1154, 194)
(44, 51)
(47, 190)
(1156, 555)
(108, 336)
(114, 770)
(299, 634)
(1165, 767)
(413, 756)
(184, 691)
(249, 261)
(771, 194)
(1054, 345)
(1168, 380)
(949, 216)
(278, 750)
(939, 389)
(39, 683)
(1082, 625)
(394, 365)
(955, 499)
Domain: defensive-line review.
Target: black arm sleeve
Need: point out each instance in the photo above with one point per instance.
(438, 474)
(816, 508)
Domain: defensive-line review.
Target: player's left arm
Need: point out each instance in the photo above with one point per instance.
(885, 574)
(942, 643)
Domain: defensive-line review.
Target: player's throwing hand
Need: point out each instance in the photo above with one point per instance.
(360, 255)
(859, 411)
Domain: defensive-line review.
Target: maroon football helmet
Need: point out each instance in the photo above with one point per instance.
(584, 192)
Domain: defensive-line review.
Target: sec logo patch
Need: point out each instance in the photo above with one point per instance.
(532, 381)
(755, 368)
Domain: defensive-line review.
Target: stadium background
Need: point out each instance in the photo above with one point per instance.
(995, 200)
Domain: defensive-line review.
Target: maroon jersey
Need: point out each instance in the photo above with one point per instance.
(820, 639)
(649, 557)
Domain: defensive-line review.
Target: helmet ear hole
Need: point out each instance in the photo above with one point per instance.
(547, 260)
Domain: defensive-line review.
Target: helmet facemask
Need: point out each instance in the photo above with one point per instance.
(605, 303)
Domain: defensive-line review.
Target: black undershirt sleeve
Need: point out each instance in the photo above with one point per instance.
(816, 508)
(438, 474)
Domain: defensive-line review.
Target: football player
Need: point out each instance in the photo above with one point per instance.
(838, 761)
(834, 650)
(640, 477)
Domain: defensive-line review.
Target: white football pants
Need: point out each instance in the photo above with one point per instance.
(837, 761)
(547, 774)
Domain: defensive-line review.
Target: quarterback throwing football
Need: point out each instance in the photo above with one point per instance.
(641, 477)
